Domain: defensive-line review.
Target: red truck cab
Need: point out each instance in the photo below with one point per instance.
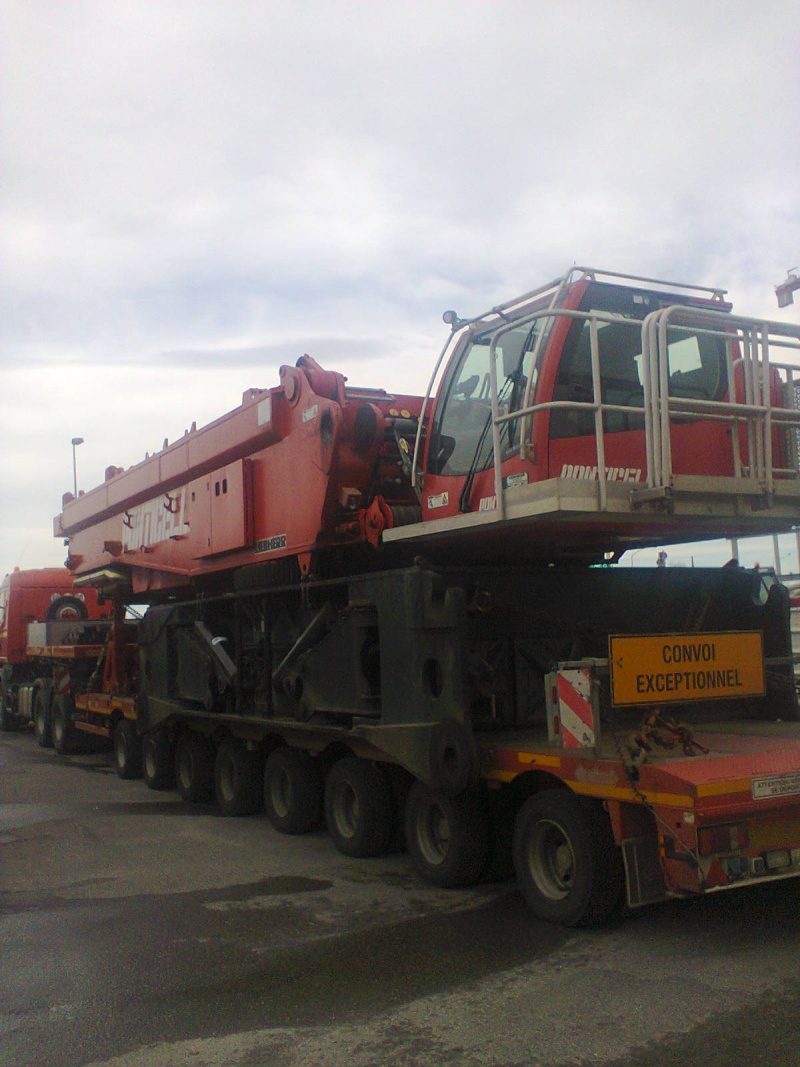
(45, 595)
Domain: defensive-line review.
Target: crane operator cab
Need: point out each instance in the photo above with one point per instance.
(609, 412)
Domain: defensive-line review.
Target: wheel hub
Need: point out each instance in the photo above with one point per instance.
(551, 860)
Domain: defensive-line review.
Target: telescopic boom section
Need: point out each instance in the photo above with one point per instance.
(305, 469)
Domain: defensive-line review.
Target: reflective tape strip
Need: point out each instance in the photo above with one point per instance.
(539, 759)
(614, 792)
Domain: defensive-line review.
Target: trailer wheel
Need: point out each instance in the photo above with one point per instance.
(8, 720)
(194, 769)
(158, 761)
(238, 779)
(293, 795)
(41, 718)
(568, 865)
(61, 724)
(358, 808)
(447, 837)
(127, 750)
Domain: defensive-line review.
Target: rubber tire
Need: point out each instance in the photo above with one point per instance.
(127, 750)
(158, 761)
(61, 729)
(358, 808)
(42, 727)
(293, 793)
(568, 865)
(72, 603)
(238, 779)
(8, 720)
(194, 769)
(447, 837)
(400, 781)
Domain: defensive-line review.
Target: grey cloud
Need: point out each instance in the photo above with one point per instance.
(189, 184)
(329, 351)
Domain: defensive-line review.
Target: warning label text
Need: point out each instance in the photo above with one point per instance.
(674, 667)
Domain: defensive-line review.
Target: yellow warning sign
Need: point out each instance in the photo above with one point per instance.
(666, 668)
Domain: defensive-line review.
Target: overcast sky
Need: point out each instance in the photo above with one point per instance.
(194, 193)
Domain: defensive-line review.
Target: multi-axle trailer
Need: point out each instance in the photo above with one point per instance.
(406, 616)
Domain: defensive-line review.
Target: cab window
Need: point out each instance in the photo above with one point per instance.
(696, 361)
(619, 346)
(462, 434)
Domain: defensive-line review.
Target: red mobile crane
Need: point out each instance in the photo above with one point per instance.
(394, 610)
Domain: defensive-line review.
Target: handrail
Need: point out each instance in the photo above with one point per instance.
(755, 412)
(658, 407)
(517, 305)
(753, 337)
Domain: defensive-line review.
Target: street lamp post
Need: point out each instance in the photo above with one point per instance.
(75, 442)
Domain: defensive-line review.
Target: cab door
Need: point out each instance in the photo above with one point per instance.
(459, 460)
(572, 434)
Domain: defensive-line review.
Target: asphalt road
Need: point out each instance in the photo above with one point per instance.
(136, 930)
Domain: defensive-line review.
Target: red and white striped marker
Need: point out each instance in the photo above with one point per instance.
(575, 708)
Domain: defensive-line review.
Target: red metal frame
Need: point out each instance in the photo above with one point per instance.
(308, 454)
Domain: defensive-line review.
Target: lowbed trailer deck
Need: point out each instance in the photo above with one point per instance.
(72, 660)
(725, 816)
(611, 795)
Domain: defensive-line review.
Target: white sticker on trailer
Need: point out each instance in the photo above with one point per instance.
(155, 521)
(779, 785)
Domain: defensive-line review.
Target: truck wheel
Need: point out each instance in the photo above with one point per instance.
(447, 837)
(238, 779)
(41, 718)
(158, 761)
(61, 724)
(194, 769)
(67, 609)
(292, 791)
(358, 808)
(568, 865)
(127, 750)
(8, 721)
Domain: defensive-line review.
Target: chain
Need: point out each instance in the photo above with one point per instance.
(657, 729)
(631, 765)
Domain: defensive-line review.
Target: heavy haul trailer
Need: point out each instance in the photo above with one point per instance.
(41, 609)
(79, 659)
(450, 658)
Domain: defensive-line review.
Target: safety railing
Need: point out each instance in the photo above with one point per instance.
(748, 344)
(518, 311)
